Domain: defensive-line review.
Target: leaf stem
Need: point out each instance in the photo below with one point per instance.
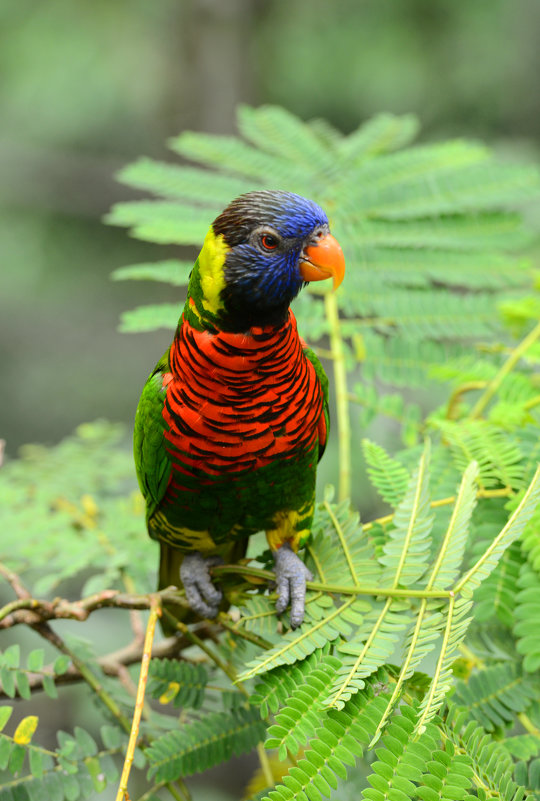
(246, 635)
(218, 661)
(528, 725)
(342, 399)
(506, 368)
(455, 397)
(265, 765)
(429, 698)
(343, 542)
(502, 492)
(340, 589)
(532, 489)
(155, 610)
(175, 792)
(51, 636)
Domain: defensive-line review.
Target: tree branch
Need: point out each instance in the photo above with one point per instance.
(32, 611)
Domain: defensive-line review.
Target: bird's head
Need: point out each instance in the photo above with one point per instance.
(257, 255)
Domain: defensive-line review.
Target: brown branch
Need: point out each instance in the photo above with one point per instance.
(32, 611)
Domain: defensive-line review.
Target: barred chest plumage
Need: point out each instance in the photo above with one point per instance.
(239, 402)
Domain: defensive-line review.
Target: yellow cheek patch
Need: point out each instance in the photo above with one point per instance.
(212, 270)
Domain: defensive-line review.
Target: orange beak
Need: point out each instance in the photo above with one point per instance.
(323, 260)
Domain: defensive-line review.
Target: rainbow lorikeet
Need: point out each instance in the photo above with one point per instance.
(234, 418)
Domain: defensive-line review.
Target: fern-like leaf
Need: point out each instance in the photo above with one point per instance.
(338, 552)
(372, 646)
(408, 767)
(457, 619)
(497, 594)
(183, 183)
(387, 475)
(527, 618)
(197, 746)
(495, 695)
(182, 683)
(407, 548)
(76, 768)
(170, 272)
(491, 762)
(498, 456)
(339, 744)
(303, 712)
(331, 622)
(279, 684)
(511, 531)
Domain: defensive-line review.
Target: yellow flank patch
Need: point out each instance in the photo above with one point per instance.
(185, 539)
(289, 529)
(211, 270)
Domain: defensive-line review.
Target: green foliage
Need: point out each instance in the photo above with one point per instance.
(201, 745)
(490, 761)
(14, 678)
(420, 646)
(76, 517)
(183, 683)
(526, 618)
(303, 709)
(338, 744)
(417, 767)
(76, 768)
(386, 474)
(494, 695)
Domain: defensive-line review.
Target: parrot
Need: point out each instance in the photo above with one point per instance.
(234, 418)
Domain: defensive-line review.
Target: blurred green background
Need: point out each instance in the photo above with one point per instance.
(88, 85)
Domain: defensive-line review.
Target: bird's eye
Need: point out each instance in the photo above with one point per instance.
(269, 242)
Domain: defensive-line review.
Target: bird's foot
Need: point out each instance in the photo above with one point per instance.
(291, 577)
(203, 597)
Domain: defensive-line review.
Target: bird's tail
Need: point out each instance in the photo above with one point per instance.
(170, 561)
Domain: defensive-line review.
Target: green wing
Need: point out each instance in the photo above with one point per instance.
(324, 430)
(152, 461)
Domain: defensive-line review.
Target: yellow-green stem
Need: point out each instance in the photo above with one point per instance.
(502, 492)
(342, 401)
(528, 725)
(265, 765)
(47, 632)
(532, 403)
(139, 703)
(246, 635)
(218, 661)
(176, 794)
(339, 532)
(341, 589)
(507, 368)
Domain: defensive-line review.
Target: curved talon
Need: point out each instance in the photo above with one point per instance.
(291, 577)
(203, 597)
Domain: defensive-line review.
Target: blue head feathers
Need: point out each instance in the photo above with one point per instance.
(266, 232)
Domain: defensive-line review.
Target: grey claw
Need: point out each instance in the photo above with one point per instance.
(202, 596)
(291, 577)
